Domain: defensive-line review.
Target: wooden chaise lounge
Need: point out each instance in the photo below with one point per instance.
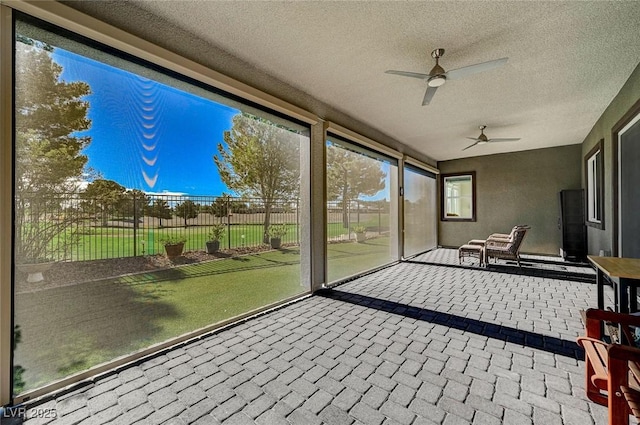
(612, 370)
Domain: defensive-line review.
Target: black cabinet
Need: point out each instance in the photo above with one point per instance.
(572, 225)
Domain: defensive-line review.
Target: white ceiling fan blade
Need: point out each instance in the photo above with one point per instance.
(408, 74)
(504, 140)
(470, 146)
(429, 95)
(456, 74)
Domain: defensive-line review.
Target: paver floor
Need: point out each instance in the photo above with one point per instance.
(411, 344)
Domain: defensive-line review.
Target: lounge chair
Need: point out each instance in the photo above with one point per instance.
(506, 247)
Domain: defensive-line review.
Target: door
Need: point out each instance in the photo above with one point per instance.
(629, 192)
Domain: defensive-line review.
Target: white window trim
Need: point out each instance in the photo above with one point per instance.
(593, 192)
(454, 199)
(594, 186)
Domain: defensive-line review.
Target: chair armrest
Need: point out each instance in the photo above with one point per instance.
(499, 236)
(497, 244)
(592, 340)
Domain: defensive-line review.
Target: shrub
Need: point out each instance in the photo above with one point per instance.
(173, 240)
(217, 232)
(277, 230)
(359, 229)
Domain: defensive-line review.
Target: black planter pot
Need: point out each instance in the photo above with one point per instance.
(212, 247)
(275, 243)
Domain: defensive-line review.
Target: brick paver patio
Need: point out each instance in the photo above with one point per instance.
(411, 344)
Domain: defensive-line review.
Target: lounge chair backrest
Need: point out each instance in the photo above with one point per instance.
(516, 239)
(517, 227)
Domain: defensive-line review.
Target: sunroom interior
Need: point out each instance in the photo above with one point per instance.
(313, 74)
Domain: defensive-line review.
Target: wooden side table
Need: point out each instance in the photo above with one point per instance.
(624, 273)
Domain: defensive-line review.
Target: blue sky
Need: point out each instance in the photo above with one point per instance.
(147, 135)
(150, 136)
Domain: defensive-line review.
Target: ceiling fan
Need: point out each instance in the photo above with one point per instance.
(437, 76)
(482, 139)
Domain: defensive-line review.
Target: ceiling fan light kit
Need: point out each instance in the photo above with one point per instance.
(438, 76)
(437, 81)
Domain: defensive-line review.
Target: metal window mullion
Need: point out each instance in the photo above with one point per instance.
(6, 200)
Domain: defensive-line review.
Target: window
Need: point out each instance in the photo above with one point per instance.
(116, 161)
(420, 211)
(594, 178)
(362, 209)
(459, 196)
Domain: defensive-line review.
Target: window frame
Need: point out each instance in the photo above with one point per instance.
(156, 59)
(409, 167)
(443, 196)
(348, 140)
(595, 157)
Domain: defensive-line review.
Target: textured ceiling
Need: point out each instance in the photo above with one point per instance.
(567, 61)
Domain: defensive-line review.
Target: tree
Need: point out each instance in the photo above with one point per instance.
(351, 175)
(261, 161)
(104, 197)
(221, 206)
(160, 209)
(134, 204)
(188, 209)
(49, 162)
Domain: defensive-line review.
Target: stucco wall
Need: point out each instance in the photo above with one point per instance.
(619, 106)
(516, 188)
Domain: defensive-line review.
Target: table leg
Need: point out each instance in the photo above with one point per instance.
(633, 294)
(599, 288)
(622, 306)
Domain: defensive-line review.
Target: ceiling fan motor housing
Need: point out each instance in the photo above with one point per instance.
(437, 72)
(482, 138)
(437, 53)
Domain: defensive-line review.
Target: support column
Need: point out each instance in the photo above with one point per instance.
(318, 206)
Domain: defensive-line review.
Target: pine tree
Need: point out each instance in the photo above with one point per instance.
(49, 161)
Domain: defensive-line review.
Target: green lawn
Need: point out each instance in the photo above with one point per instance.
(69, 329)
(347, 259)
(95, 243)
(114, 242)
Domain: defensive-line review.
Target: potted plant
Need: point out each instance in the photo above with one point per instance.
(360, 232)
(34, 267)
(276, 232)
(216, 233)
(173, 245)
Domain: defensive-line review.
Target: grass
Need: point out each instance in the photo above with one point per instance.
(70, 329)
(347, 259)
(114, 242)
(120, 240)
